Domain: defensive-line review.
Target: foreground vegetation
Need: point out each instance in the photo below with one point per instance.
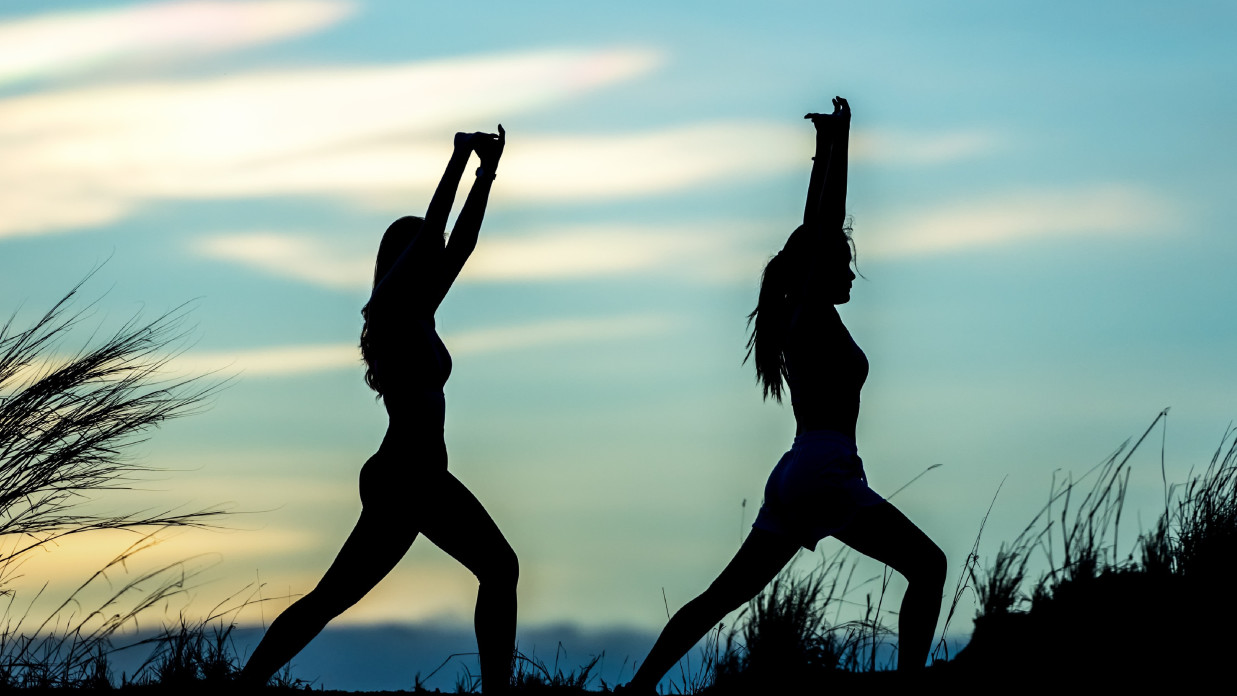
(1097, 616)
(1099, 612)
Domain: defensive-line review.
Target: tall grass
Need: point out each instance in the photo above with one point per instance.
(1099, 605)
(1067, 602)
(67, 417)
(791, 635)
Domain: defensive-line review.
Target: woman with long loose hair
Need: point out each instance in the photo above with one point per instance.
(818, 488)
(406, 489)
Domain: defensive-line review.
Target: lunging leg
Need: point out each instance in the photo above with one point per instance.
(460, 526)
(882, 532)
(373, 548)
(760, 558)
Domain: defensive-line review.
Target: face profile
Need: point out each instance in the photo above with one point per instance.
(827, 273)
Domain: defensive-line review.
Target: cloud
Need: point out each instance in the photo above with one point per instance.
(291, 256)
(61, 42)
(94, 155)
(1097, 209)
(269, 362)
(555, 332)
(582, 252)
(282, 361)
(75, 557)
(598, 167)
(374, 135)
(714, 250)
(902, 148)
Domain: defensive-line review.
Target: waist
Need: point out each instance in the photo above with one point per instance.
(826, 414)
(825, 437)
(419, 410)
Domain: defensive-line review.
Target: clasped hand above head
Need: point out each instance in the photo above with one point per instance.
(488, 146)
(839, 119)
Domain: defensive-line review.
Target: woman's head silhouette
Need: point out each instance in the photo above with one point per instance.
(811, 267)
(394, 241)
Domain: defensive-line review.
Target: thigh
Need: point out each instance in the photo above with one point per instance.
(882, 532)
(377, 542)
(761, 557)
(458, 524)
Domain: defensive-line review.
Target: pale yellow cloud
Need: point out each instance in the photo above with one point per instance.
(304, 359)
(274, 361)
(58, 42)
(660, 161)
(905, 148)
(555, 332)
(282, 361)
(566, 253)
(93, 155)
(1098, 209)
(74, 557)
(292, 256)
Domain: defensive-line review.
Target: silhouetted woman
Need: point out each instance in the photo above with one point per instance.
(405, 487)
(819, 487)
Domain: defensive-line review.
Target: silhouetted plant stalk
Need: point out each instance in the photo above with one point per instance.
(532, 674)
(785, 637)
(1203, 539)
(1187, 553)
(1087, 532)
(65, 421)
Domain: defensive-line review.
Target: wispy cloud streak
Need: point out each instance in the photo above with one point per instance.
(697, 250)
(284, 361)
(1103, 209)
(63, 42)
(93, 155)
(291, 256)
(904, 148)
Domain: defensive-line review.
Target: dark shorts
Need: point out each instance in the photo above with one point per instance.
(816, 489)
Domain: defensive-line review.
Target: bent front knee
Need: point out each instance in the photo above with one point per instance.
(932, 567)
(502, 569)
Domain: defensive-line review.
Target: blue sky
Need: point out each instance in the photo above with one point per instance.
(1041, 204)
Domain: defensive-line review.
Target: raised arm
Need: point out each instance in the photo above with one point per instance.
(489, 149)
(826, 197)
(410, 276)
(444, 195)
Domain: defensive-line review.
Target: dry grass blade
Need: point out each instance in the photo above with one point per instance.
(66, 418)
(65, 422)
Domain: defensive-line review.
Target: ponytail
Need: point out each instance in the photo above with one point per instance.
(770, 321)
(770, 325)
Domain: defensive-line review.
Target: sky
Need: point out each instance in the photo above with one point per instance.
(1042, 208)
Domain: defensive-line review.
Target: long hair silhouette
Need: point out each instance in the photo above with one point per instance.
(770, 320)
(819, 487)
(393, 243)
(405, 487)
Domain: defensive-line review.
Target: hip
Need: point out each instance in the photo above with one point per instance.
(828, 450)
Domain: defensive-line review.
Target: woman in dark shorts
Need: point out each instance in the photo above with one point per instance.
(818, 488)
(406, 489)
